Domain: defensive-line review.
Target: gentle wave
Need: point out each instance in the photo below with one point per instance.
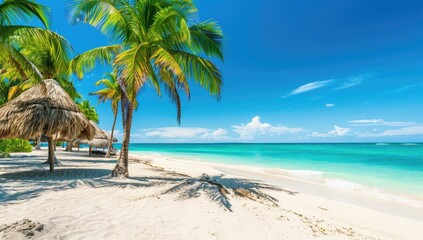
(305, 172)
(375, 192)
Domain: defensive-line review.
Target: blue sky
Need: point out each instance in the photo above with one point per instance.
(294, 71)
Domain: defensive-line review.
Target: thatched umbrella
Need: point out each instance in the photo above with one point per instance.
(100, 138)
(44, 109)
(109, 135)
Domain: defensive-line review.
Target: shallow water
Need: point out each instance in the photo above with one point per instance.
(395, 167)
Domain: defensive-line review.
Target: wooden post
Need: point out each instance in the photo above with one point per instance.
(51, 153)
(90, 150)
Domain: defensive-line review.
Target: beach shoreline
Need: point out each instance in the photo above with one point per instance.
(168, 199)
(409, 206)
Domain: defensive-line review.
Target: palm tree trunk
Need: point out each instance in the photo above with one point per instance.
(121, 168)
(122, 104)
(51, 153)
(111, 134)
(69, 146)
(38, 146)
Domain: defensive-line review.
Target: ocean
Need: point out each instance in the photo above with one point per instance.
(396, 167)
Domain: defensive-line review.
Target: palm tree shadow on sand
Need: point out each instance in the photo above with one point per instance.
(23, 185)
(219, 189)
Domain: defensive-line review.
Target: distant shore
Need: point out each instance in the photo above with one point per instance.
(182, 199)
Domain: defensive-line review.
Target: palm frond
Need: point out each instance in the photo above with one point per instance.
(111, 90)
(87, 60)
(132, 66)
(88, 110)
(172, 91)
(164, 59)
(16, 11)
(201, 70)
(207, 37)
(50, 52)
(102, 14)
(14, 60)
(169, 21)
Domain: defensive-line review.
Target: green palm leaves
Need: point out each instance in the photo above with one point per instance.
(30, 54)
(162, 45)
(12, 14)
(88, 110)
(17, 11)
(111, 91)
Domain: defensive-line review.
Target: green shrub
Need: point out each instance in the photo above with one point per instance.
(4, 154)
(14, 145)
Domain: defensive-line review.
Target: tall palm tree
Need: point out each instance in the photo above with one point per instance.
(88, 110)
(154, 42)
(111, 92)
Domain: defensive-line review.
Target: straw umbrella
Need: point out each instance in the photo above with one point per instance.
(100, 138)
(109, 135)
(44, 109)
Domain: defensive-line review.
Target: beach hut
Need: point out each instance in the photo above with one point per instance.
(44, 109)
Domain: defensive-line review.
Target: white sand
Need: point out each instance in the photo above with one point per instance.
(173, 199)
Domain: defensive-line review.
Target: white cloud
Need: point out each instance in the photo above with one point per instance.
(379, 122)
(336, 132)
(218, 134)
(309, 86)
(257, 128)
(330, 105)
(354, 81)
(351, 82)
(406, 131)
(339, 131)
(341, 83)
(176, 132)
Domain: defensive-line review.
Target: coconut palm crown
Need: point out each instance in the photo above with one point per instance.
(111, 92)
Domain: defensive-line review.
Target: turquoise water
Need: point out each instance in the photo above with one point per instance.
(397, 167)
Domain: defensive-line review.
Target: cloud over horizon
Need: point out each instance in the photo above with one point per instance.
(405, 131)
(256, 128)
(336, 132)
(379, 122)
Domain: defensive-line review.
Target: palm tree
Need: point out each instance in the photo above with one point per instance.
(50, 54)
(12, 14)
(30, 54)
(154, 42)
(88, 110)
(111, 92)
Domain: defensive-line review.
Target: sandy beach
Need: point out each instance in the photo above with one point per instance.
(180, 199)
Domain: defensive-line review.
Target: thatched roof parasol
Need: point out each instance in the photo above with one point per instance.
(45, 108)
(100, 138)
(109, 135)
